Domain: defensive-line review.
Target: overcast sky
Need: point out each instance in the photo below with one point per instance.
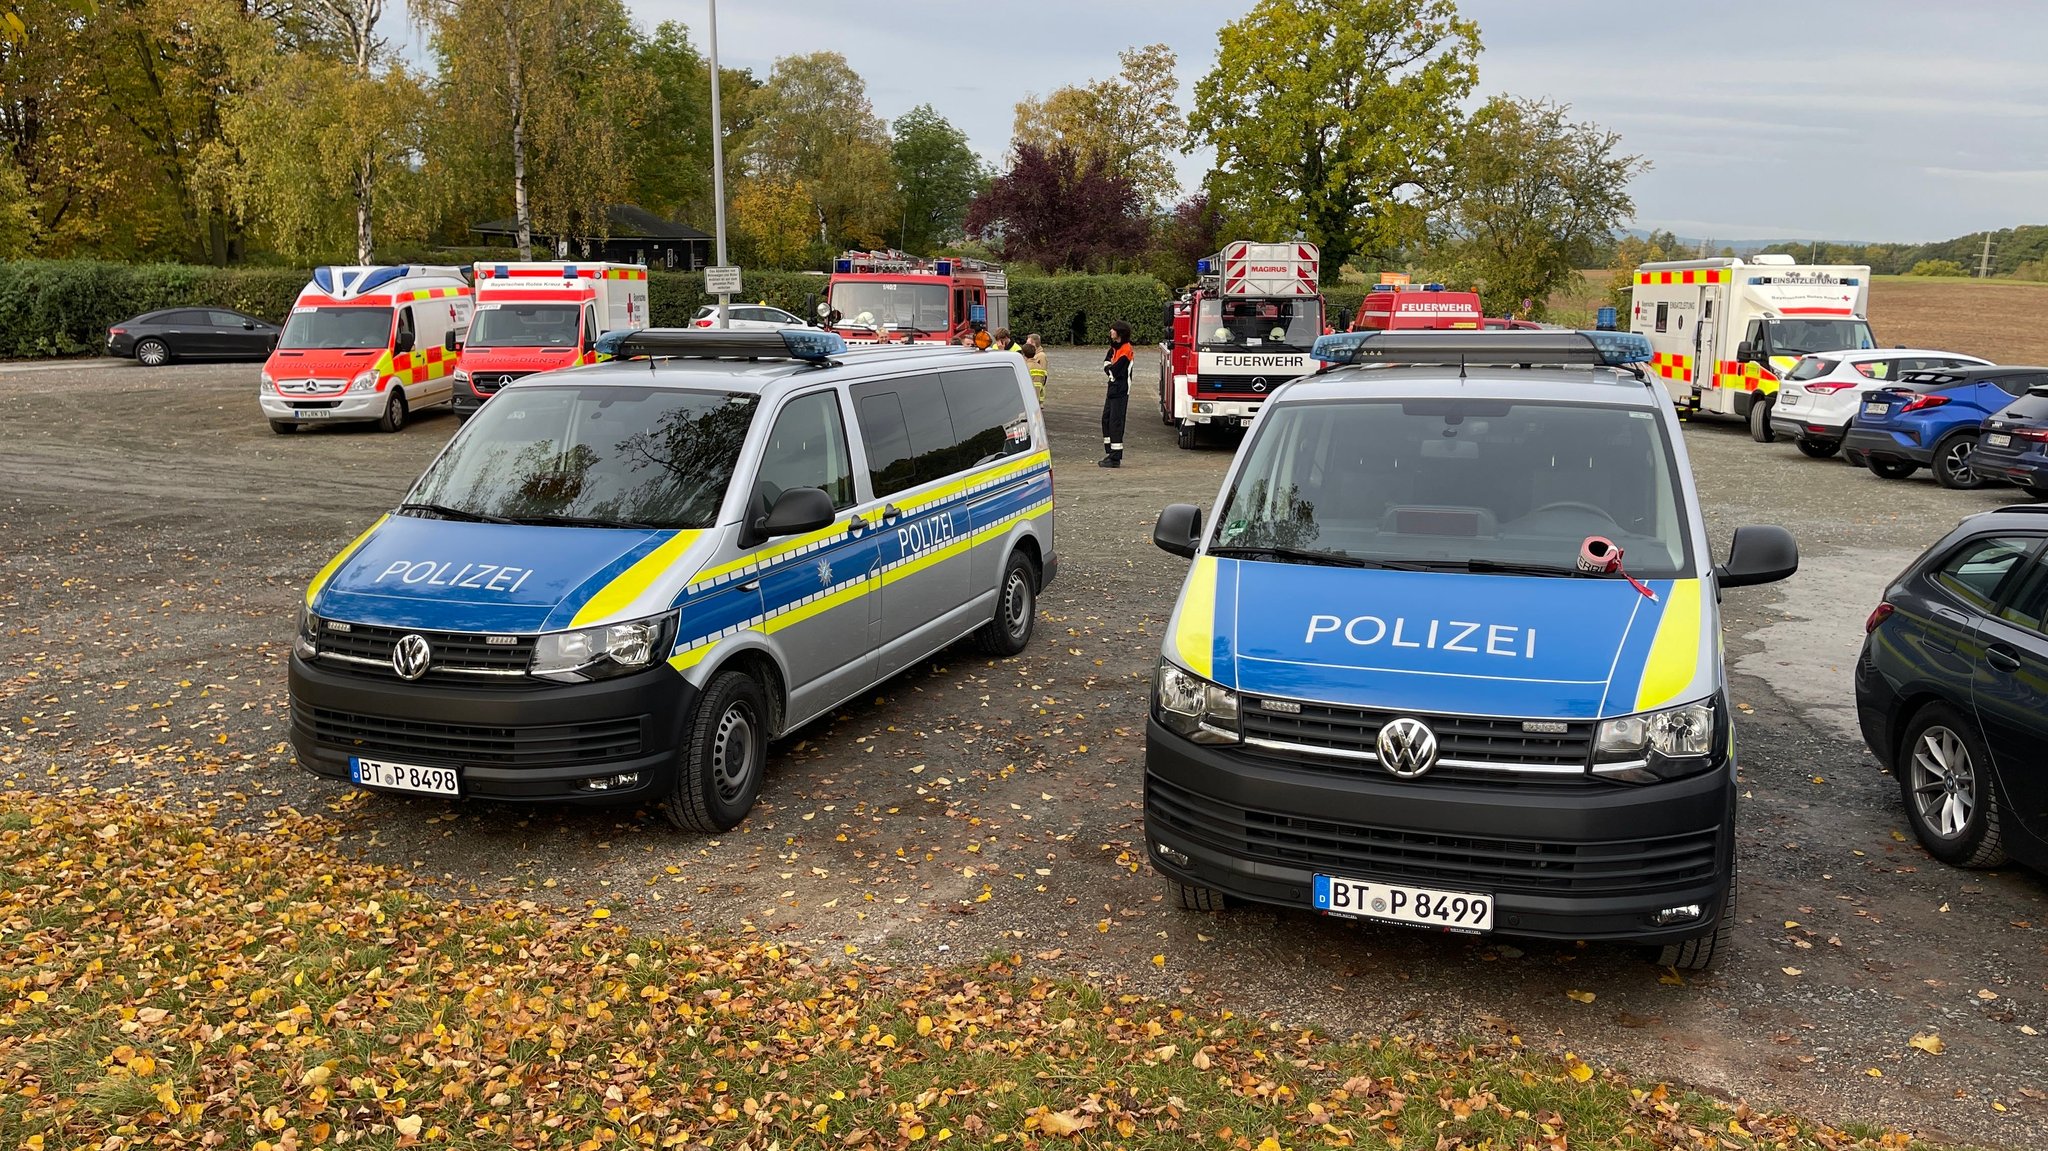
(1830, 119)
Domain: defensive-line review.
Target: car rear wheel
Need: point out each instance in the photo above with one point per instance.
(1951, 796)
(394, 412)
(152, 354)
(1760, 421)
(724, 758)
(1819, 449)
(1952, 462)
(1702, 951)
(1891, 469)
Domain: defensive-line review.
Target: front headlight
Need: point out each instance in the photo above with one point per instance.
(1204, 712)
(365, 380)
(1657, 745)
(607, 650)
(461, 375)
(269, 385)
(307, 642)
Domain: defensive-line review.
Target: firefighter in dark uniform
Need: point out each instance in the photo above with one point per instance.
(1116, 401)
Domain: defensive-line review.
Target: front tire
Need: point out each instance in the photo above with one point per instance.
(1703, 951)
(283, 427)
(1760, 421)
(152, 353)
(1819, 449)
(1951, 796)
(1891, 469)
(394, 412)
(1193, 898)
(721, 766)
(1952, 462)
(1184, 437)
(1009, 632)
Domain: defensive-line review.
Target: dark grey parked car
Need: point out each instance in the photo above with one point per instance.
(154, 339)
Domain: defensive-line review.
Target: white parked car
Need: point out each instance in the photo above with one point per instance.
(1822, 393)
(759, 317)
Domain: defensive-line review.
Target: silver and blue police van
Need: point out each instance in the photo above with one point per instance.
(1449, 652)
(620, 582)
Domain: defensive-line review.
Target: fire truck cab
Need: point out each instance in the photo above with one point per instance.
(1245, 328)
(890, 297)
(1390, 308)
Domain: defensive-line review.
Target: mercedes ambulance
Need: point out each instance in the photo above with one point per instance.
(538, 316)
(619, 582)
(366, 344)
(1449, 652)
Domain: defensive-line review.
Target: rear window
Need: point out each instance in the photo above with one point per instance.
(1811, 368)
(2032, 406)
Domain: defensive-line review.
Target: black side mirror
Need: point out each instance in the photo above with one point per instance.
(1758, 554)
(796, 511)
(403, 343)
(1745, 351)
(1179, 530)
(448, 343)
(248, 325)
(1167, 320)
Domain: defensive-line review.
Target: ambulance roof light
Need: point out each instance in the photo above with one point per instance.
(1496, 348)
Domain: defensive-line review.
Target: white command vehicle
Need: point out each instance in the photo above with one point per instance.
(1722, 331)
(539, 316)
(1245, 329)
(367, 343)
(1820, 397)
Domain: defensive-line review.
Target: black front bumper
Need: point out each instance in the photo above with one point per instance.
(512, 743)
(1592, 862)
(466, 400)
(1885, 446)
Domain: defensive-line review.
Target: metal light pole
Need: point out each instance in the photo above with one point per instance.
(718, 164)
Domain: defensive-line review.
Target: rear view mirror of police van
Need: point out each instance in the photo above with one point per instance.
(1179, 530)
(1759, 554)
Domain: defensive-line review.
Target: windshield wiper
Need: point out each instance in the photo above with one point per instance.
(584, 522)
(1513, 567)
(1309, 556)
(448, 513)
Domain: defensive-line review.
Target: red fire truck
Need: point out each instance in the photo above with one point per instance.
(1391, 308)
(1244, 328)
(883, 297)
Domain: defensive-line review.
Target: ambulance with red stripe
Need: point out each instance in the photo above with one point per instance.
(367, 344)
(539, 316)
(1722, 330)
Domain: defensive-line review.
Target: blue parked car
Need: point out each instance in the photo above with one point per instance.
(1931, 419)
(2013, 445)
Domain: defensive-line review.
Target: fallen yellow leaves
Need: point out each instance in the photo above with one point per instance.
(1931, 1044)
(1580, 996)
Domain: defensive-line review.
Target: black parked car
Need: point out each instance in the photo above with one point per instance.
(2012, 445)
(1952, 689)
(154, 339)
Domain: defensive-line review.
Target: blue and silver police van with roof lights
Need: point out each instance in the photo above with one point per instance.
(1449, 653)
(619, 582)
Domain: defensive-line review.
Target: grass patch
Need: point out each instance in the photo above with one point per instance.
(160, 988)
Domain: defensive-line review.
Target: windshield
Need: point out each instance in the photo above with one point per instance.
(1447, 481)
(337, 328)
(1266, 323)
(652, 456)
(889, 307)
(524, 326)
(1799, 337)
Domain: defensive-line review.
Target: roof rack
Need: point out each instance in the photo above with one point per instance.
(2034, 509)
(715, 344)
(1484, 348)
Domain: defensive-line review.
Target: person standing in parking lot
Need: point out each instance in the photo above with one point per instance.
(1116, 400)
(1034, 359)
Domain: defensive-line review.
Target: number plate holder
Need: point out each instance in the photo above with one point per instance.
(405, 777)
(1466, 912)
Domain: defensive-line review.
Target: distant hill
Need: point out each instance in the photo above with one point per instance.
(2021, 252)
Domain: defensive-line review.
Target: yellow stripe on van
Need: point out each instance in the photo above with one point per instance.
(977, 479)
(631, 584)
(1194, 636)
(1675, 652)
(334, 565)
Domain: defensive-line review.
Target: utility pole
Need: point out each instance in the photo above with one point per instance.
(1984, 260)
(718, 166)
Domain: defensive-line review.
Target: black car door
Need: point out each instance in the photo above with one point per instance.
(240, 335)
(186, 332)
(2010, 692)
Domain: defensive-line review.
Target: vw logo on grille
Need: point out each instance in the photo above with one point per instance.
(411, 655)
(1407, 747)
(1259, 384)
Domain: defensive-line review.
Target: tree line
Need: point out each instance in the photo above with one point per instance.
(289, 131)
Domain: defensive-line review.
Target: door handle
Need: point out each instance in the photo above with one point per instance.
(751, 585)
(890, 512)
(855, 524)
(2002, 657)
(1952, 616)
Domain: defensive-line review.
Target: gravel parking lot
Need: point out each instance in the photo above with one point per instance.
(155, 536)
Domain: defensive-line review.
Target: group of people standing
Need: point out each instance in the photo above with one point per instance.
(1116, 371)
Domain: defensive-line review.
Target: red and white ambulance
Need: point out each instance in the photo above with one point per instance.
(539, 316)
(366, 343)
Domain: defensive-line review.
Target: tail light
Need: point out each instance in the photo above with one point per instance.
(1925, 400)
(1827, 387)
(703, 323)
(117, 331)
(1878, 615)
(2038, 435)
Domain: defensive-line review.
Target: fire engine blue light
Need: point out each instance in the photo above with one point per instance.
(945, 267)
(1618, 348)
(843, 267)
(1432, 287)
(1385, 288)
(808, 345)
(1202, 267)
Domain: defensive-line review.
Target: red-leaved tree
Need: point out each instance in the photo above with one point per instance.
(1062, 212)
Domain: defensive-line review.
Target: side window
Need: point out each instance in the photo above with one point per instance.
(1663, 315)
(404, 340)
(590, 332)
(807, 449)
(188, 319)
(959, 305)
(1881, 369)
(1973, 571)
(224, 319)
(2027, 605)
(2017, 385)
(988, 417)
(907, 429)
(1755, 336)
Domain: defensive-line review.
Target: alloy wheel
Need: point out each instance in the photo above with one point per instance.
(1944, 782)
